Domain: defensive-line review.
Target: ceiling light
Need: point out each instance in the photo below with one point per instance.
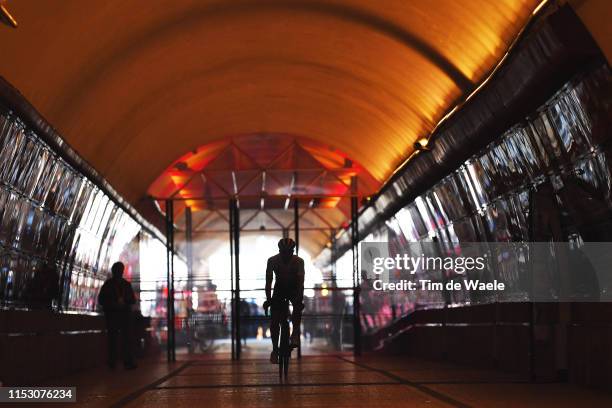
(6, 17)
(422, 144)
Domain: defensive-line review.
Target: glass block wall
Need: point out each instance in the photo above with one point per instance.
(556, 162)
(59, 233)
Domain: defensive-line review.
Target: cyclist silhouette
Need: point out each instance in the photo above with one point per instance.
(288, 271)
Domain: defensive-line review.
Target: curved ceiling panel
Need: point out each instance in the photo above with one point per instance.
(134, 85)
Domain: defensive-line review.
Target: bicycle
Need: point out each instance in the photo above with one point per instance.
(203, 329)
(284, 348)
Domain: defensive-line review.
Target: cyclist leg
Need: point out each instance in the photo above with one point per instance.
(297, 302)
(275, 320)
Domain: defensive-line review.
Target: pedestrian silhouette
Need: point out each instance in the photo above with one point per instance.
(245, 314)
(116, 298)
(44, 287)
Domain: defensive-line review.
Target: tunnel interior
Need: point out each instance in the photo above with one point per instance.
(185, 139)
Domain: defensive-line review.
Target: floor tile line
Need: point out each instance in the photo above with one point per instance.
(275, 384)
(318, 372)
(475, 382)
(313, 360)
(258, 361)
(136, 394)
(363, 370)
(438, 395)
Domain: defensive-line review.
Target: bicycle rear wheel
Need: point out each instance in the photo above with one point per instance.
(283, 352)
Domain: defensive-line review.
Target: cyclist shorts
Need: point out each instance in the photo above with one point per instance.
(278, 300)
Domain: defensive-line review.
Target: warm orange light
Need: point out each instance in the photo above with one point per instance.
(302, 73)
(423, 142)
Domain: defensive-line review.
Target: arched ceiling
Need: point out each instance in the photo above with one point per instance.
(134, 85)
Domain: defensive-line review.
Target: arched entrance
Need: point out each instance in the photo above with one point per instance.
(226, 204)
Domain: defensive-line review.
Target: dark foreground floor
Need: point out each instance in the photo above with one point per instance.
(320, 381)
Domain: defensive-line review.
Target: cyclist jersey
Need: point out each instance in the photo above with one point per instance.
(289, 276)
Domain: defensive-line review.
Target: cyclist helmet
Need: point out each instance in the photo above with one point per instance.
(286, 244)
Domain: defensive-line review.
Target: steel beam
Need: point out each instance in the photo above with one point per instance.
(305, 197)
(171, 344)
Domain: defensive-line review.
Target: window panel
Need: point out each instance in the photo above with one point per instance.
(4, 202)
(439, 216)
(448, 196)
(5, 124)
(465, 181)
(47, 177)
(10, 216)
(80, 203)
(481, 184)
(5, 276)
(38, 225)
(25, 230)
(39, 156)
(567, 120)
(11, 152)
(70, 194)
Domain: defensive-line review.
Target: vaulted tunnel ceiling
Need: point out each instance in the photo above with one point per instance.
(133, 86)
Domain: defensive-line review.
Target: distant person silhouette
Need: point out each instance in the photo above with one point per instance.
(245, 313)
(44, 288)
(338, 301)
(116, 298)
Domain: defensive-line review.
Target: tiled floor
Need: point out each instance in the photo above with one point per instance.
(330, 381)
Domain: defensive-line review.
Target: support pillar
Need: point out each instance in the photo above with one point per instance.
(296, 224)
(189, 247)
(337, 332)
(189, 256)
(356, 277)
(236, 239)
(332, 240)
(232, 294)
(171, 345)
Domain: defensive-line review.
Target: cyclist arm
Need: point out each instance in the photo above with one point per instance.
(269, 276)
(300, 280)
